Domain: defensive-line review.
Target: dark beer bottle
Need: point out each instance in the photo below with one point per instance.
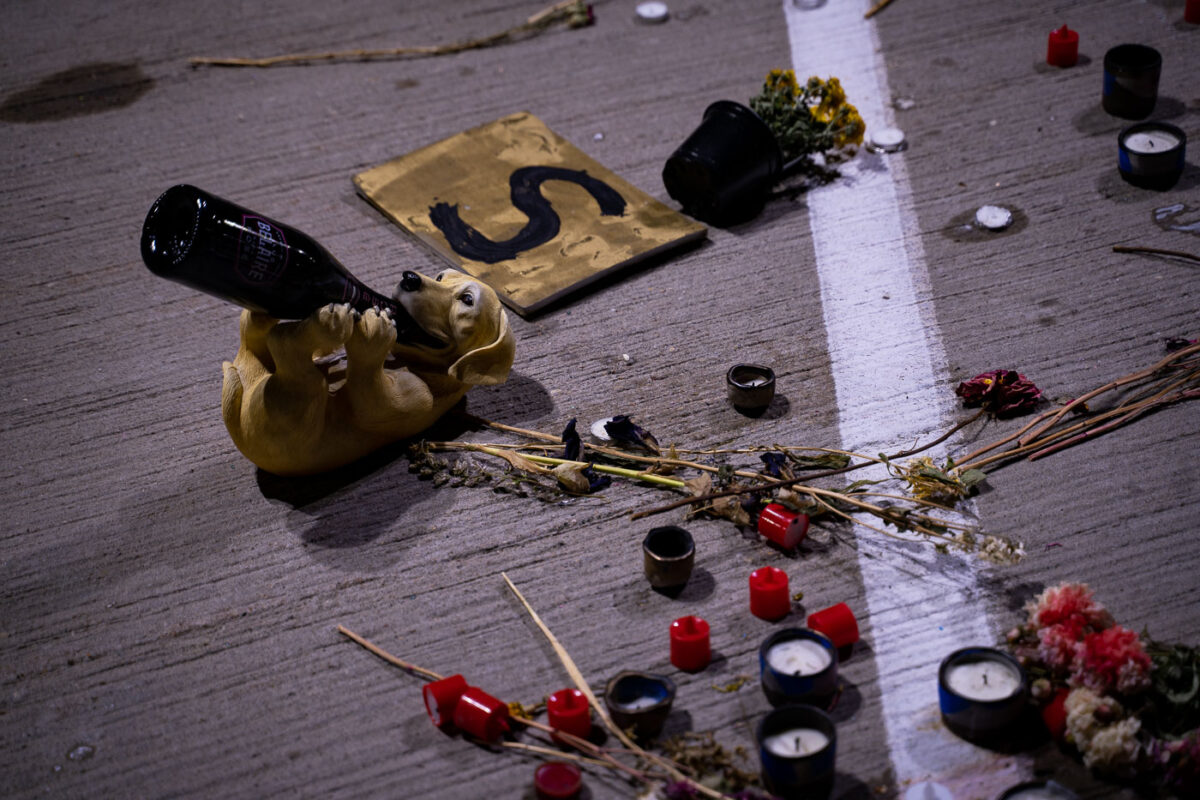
(230, 252)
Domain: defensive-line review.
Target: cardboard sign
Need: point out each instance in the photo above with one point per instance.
(519, 207)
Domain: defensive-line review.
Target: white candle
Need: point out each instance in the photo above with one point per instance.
(639, 703)
(796, 742)
(798, 657)
(1150, 142)
(983, 680)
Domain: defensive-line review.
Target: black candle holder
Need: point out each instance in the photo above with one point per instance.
(1131, 74)
(1151, 155)
(807, 775)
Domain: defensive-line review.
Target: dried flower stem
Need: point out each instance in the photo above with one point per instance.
(1117, 248)
(558, 755)
(386, 656)
(640, 475)
(539, 21)
(794, 482)
(875, 9)
(1132, 377)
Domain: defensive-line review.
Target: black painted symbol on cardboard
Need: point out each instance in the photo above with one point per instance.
(544, 222)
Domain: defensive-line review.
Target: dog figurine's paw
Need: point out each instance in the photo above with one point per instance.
(372, 338)
(328, 328)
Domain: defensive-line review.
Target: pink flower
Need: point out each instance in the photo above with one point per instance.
(1069, 604)
(1112, 659)
(1059, 645)
(1002, 392)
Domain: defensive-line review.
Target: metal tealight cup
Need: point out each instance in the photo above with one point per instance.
(668, 555)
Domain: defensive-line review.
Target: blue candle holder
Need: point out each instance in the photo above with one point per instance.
(798, 748)
(981, 691)
(810, 676)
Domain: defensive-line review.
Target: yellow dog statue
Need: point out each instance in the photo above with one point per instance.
(294, 405)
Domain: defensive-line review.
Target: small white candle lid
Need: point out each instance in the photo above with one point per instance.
(652, 12)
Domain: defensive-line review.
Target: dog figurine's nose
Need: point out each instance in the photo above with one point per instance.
(410, 281)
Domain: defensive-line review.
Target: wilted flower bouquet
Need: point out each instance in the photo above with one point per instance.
(547, 465)
(808, 119)
(1130, 706)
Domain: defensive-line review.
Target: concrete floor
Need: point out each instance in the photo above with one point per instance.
(168, 614)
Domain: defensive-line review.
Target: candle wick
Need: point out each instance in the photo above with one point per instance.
(797, 744)
(985, 679)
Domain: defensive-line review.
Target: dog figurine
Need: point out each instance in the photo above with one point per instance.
(294, 406)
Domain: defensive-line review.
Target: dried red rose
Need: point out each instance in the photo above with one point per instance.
(1001, 392)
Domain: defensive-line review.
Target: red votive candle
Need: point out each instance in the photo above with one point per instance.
(1191, 12)
(1063, 47)
(769, 598)
(782, 526)
(441, 698)
(569, 712)
(481, 715)
(837, 623)
(690, 650)
(557, 780)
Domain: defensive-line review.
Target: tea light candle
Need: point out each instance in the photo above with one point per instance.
(1151, 154)
(441, 698)
(796, 742)
(557, 780)
(568, 711)
(690, 648)
(837, 622)
(480, 715)
(1062, 50)
(797, 665)
(981, 691)
(983, 680)
(769, 598)
(1038, 790)
(782, 526)
(798, 750)
(798, 657)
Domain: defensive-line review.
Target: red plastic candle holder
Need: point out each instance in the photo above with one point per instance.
(481, 715)
(569, 712)
(1062, 50)
(690, 649)
(837, 623)
(782, 526)
(557, 780)
(769, 597)
(1191, 12)
(441, 698)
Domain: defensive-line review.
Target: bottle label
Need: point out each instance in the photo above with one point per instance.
(262, 251)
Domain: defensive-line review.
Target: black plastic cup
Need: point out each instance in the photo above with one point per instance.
(722, 172)
(1131, 74)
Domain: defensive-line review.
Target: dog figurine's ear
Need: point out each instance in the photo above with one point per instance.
(490, 364)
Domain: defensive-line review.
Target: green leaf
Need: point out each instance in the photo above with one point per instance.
(823, 461)
(859, 485)
(972, 477)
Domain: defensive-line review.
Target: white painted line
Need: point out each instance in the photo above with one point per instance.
(892, 391)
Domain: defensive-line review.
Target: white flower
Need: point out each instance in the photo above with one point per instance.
(1114, 746)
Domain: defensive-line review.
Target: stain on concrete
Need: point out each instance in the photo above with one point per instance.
(78, 91)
